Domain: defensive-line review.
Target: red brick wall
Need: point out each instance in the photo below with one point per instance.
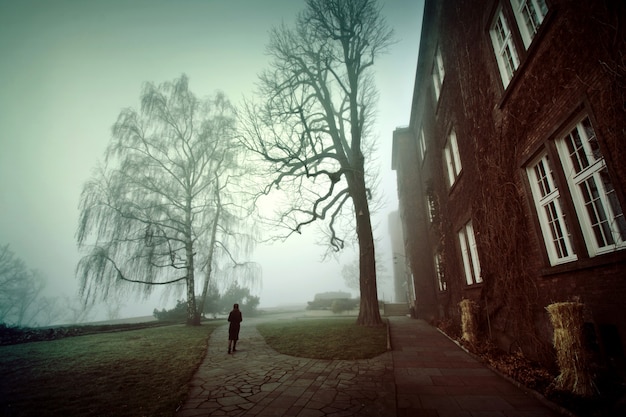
(574, 64)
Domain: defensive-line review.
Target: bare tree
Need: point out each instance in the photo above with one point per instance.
(231, 236)
(350, 274)
(21, 300)
(312, 128)
(77, 311)
(145, 217)
(20, 289)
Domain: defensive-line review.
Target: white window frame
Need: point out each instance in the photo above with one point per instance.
(504, 47)
(556, 234)
(431, 208)
(601, 218)
(529, 15)
(469, 253)
(441, 279)
(422, 145)
(452, 158)
(438, 73)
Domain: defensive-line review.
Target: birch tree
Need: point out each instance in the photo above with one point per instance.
(147, 215)
(312, 126)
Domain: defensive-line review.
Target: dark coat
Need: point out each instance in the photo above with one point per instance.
(235, 318)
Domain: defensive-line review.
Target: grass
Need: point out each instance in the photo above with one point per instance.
(146, 372)
(335, 338)
(132, 373)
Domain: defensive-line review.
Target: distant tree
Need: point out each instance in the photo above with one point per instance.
(236, 294)
(20, 290)
(211, 301)
(113, 308)
(52, 310)
(350, 274)
(178, 313)
(146, 216)
(77, 311)
(312, 128)
(215, 303)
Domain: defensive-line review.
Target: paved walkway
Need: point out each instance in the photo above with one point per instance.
(425, 374)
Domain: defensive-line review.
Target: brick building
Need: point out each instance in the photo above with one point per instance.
(511, 174)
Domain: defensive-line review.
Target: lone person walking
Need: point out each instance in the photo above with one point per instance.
(235, 320)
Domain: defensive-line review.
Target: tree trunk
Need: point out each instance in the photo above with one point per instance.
(193, 318)
(369, 313)
(209, 268)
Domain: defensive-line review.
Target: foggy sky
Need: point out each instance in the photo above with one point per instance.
(67, 68)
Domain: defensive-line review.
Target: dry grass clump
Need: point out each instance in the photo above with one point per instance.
(572, 357)
(469, 323)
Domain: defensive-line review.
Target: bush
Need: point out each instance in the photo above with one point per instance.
(343, 304)
(178, 313)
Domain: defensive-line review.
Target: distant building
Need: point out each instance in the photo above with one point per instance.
(512, 172)
(402, 281)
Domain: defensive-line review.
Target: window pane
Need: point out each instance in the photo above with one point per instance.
(529, 15)
(592, 140)
(576, 151)
(465, 254)
(440, 68)
(439, 270)
(449, 165)
(543, 181)
(619, 223)
(422, 145)
(555, 221)
(596, 213)
(455, 154)
(552, 218)
(431, 209)
(598, 208)
(469, 252)
(504, 48)
(509, 60)
(438, 72)
(474, 252)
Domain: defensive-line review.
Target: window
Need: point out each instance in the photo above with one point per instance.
(600, 214)
(438, 73)
(469, 252)
(511, 39)
(597, 210)
(529, 15)
(422, 145)
(503, 45)
(441, 279)
(554, 227)
(431, 207)
(452, 158)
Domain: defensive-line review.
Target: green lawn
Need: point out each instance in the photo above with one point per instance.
(333, 338)
(131, 373)
(146, 372)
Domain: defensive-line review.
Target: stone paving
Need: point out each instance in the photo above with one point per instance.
(258, 381)
(425, 374)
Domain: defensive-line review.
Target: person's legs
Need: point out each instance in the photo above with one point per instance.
(234, 345)
(229, 345)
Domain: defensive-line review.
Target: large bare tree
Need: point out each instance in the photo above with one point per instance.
(318, 102)
(147, 216)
